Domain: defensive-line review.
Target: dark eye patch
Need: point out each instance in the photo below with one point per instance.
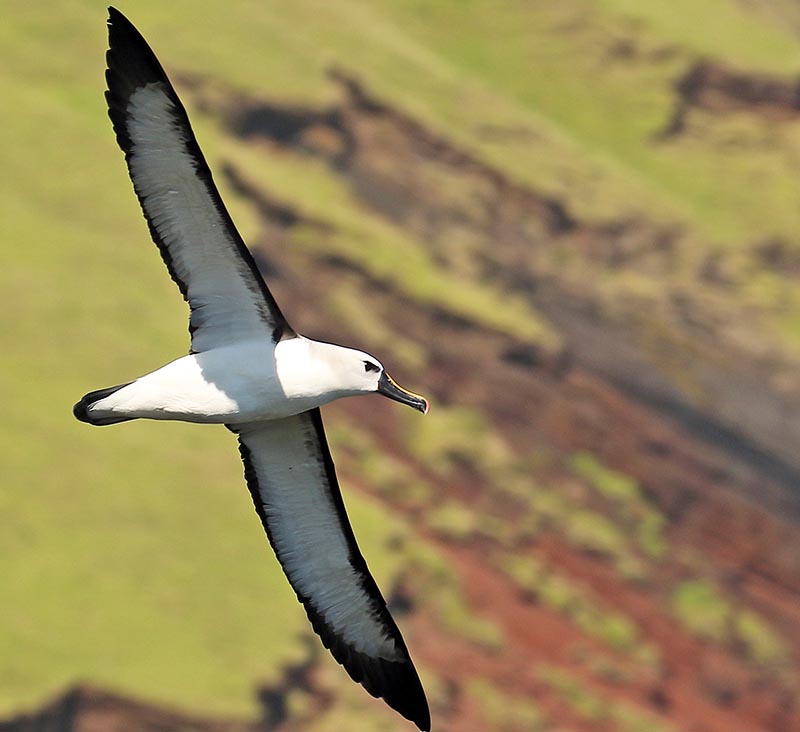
(369, 366)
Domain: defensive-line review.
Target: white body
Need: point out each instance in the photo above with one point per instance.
(250, 381)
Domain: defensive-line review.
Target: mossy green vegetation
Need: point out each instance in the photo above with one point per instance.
(626, 529)
(701, 607)
(595, 533)
(614, 486)
(588, 529)
(358, 454)
(545, 584)
(437, 581)
(504, 711)
(764, 645)
(446, 440)
(456, 617)
(453, 520)
(628, 504)
(587, 703)
(704, 609)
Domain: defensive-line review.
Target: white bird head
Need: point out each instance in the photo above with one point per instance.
(308, 367)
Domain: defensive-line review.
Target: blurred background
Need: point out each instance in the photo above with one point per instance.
(573, 225)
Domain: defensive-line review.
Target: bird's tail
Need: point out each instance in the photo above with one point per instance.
(81, 409)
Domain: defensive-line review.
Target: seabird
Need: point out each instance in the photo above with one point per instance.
(249, 370)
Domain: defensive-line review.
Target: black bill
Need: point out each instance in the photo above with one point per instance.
(390, 388)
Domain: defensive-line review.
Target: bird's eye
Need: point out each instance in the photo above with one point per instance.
(369, 366)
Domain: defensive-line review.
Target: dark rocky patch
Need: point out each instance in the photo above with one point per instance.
(89, 709)
(718, 89)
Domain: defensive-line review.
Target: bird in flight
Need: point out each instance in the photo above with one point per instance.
(249, 370)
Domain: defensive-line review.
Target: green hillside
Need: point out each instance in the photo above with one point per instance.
(131, 557)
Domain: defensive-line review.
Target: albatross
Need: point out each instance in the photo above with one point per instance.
(249, 370)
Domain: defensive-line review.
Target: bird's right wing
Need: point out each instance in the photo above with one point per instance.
(291, 477)
(188, 221)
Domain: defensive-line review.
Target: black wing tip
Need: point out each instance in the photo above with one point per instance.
(403, 692)
(120, 29)
(119, 24)
(396, 682)
(130, 60)
(116, 16)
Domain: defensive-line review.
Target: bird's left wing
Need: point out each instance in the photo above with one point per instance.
(291, 477)
(188, 221)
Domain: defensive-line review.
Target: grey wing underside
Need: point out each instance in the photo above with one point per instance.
(188, 221)
(293, 483)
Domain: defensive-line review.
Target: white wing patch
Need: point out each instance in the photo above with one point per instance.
(306, 531)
